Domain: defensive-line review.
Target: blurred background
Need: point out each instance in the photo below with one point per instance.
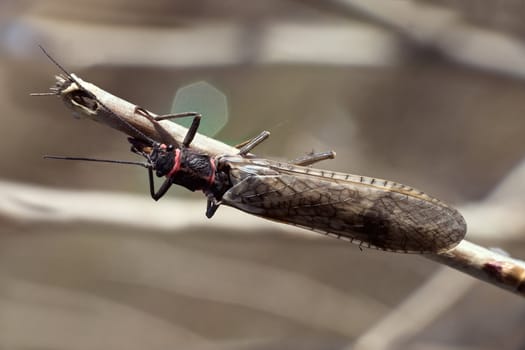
(428, 93)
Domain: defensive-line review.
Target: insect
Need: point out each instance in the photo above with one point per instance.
(367, 211)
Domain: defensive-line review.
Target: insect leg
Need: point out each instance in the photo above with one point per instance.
(151, 117)
(247, 146)
(312, 158)
(144, 113)
(211, 206)
(192, 131)
(177, 115)
(244, 143)
(163, 188)
(135, 150)
(166, 137)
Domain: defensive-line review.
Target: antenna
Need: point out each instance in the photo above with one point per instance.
(145, 165)
(72, 78)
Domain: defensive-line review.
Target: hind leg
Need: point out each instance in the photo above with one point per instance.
(312, 158)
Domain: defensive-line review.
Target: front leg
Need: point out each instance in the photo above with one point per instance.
(192, 131)
(165, 136)
(156, 195)
(212, 206)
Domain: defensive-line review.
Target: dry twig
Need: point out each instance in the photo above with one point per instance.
(481, 263)
(442, 30)
(416, 312)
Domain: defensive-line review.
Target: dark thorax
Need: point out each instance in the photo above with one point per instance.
(196, 171)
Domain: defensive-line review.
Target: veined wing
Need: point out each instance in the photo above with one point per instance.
(372, 212)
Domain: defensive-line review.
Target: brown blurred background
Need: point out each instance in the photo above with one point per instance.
(428, 93)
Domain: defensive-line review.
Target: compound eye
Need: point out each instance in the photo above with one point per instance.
(170, 148)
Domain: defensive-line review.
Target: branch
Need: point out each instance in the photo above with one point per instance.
(492, 266)
(445, 31)
(36, 204)
(415, 313)
(84, 106)
(219, 43)
(487, 265)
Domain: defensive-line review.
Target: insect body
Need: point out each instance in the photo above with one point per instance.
(371, 212)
